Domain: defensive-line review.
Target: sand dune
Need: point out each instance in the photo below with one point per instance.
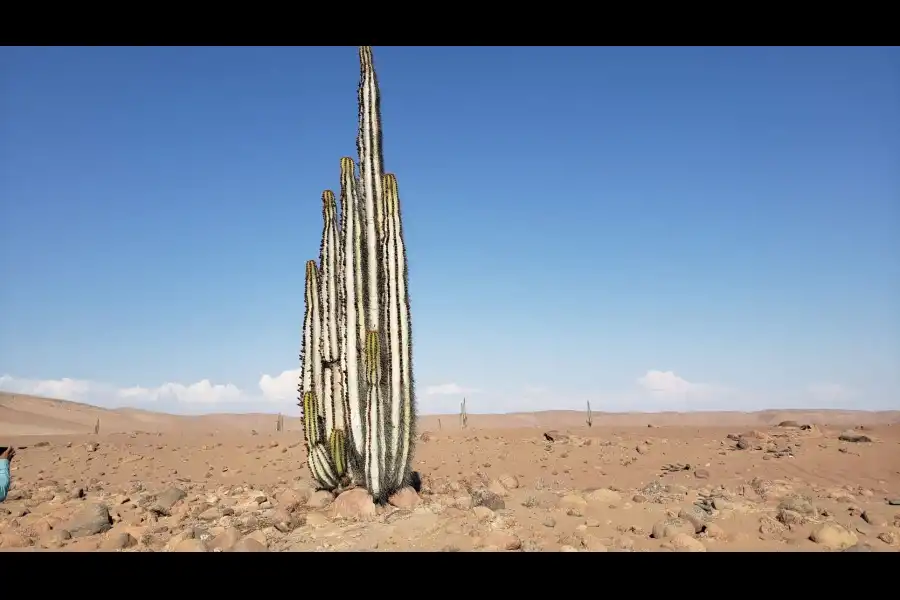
(22, 415)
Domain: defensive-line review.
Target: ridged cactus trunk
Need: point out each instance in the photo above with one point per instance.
(357, 386)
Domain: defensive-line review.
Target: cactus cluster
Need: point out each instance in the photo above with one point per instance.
(357, 389)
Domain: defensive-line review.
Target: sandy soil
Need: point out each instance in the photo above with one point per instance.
(775, 480)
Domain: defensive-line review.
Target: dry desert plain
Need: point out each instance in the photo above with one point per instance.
(777, 480)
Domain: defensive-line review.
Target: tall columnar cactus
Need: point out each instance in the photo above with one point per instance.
(357, 387)
(463, 415)
(590, 415)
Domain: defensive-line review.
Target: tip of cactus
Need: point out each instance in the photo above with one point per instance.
(311, 269)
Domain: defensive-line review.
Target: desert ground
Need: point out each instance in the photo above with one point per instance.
(695, 482)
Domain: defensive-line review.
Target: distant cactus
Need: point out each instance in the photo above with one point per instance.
(440, 425)
(279, 423)
(97, 427)
(590, 415)
(357, 389)
(463, 415)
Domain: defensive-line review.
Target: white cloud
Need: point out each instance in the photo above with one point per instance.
(202, 396)
(281, 388)
(448, 389)
(665, 382)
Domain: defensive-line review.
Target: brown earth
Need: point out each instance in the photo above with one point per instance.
(632, 482)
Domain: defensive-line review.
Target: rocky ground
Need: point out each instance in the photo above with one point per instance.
(692, 489)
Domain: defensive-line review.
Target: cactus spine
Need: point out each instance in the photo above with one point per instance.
(357, 387)
(590, 415)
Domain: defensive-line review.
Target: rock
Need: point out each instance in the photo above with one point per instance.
(722, 504)
(92, 519)
(834, 536)
(210, 514)
(508, 481)
(225, 540)
(317, 519)
(290, 500)
(858, 548)
(743, 444)
(487, 498)
(483, 513)
(789, 517)
(190, 545)
(282, 520)
(593, 543)
(497, 488)
(875, 519)
(463, 502)
(405, 498)
(573, 505)
(353, 504)
(55, 538)
(248, 544)
(603, 496)
(118, 540)
(800, 505)
(701, 474)
(893, 501)
(694, 515)
(502, 540)
(555, 436)
(642, 448)
(683, 542)
(714, 532)
(13, 540)
(671, 527)
(320, 499)
(889, 537)
(167, 499)
(791, 424)
(853, 436)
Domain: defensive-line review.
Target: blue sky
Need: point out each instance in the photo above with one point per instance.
(645, 228)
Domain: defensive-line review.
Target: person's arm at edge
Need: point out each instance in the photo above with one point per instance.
(4, 478)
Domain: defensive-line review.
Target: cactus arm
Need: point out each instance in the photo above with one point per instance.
(354, 321)
(328, 260)
(375, 438)
(368, 144)
(306, 353)
(314, 315)
(322, 467)
(399, 337)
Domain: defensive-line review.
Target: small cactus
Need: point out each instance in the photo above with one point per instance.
(97, 427)
(279, 423)
(590, 415)
(463, 415)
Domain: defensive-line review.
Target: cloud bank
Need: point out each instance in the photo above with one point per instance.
(653, 391)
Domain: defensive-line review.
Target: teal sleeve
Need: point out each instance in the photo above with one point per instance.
(4, 478)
